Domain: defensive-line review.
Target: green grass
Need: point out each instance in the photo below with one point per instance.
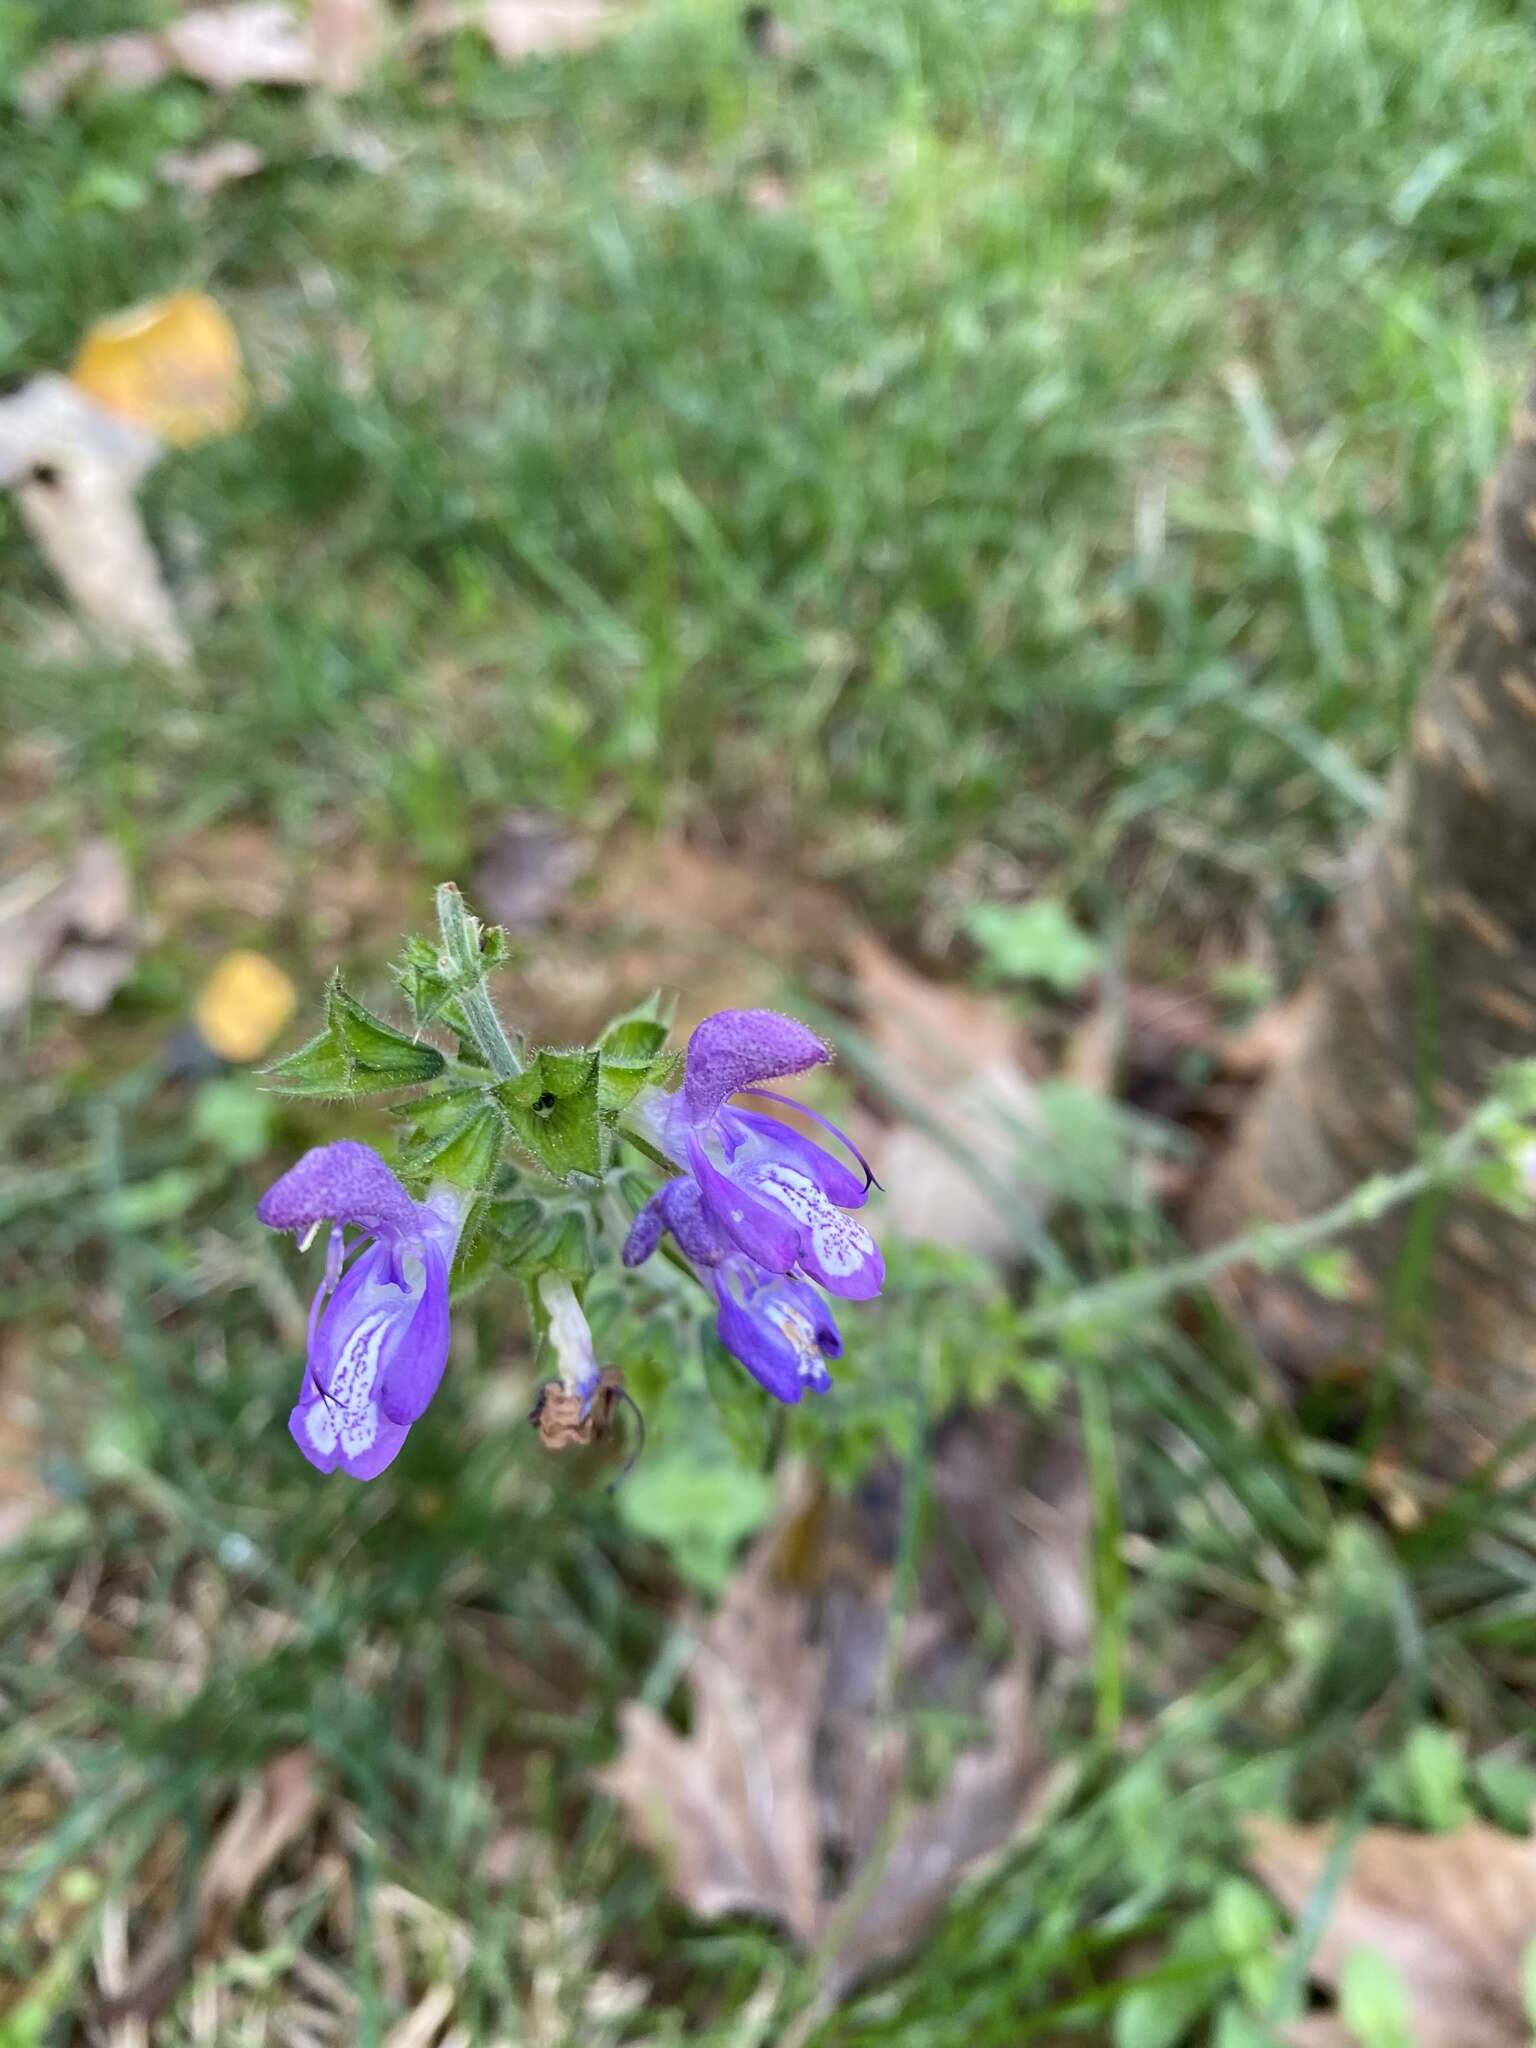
(1059, 486)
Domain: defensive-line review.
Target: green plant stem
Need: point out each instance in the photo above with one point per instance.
(1109, 1574)
(460, 935)
(1274, 1245)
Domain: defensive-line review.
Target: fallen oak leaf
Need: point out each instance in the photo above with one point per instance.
(729, 1809)
(248, 42)
(519, 29)
(349, 37)
(1452, 1913)
(794, 1768)
(900, 1895)
(121, 63)
(252, 42)
(205, 171)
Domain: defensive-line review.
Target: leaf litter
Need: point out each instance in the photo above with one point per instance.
(1453, 1914)
(799, 1793)
(335, 45)
(74, 468)
(69, 929)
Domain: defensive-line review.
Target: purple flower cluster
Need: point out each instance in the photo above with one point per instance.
(378, 1329)
(759, 1208)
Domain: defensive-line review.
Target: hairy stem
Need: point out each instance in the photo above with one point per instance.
(460, 934)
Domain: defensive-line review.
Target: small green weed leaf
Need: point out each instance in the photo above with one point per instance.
(699, 1504)
(1034, 942)
(233, 1116)
(1374, 2002)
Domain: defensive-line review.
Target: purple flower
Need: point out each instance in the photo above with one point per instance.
(754, 1185)
(378, 1328)
(780, 1329)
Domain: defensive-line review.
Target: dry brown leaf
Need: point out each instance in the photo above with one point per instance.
(23, 1496)
(1453, 1914)
(68, 928)
(729, 1808)
(267, 1819)
(796, 1762)
(525, 28)
(1268, 1038)
(349, 37)
(74, 468)
(1028, 1534)
(122, 63)
(903, 1893)
(527, 868)
(518, 29)
(206, 171)
(249, 42)
(951, 1063)
(252, 42)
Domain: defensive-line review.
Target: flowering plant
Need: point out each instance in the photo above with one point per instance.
(512, 1158)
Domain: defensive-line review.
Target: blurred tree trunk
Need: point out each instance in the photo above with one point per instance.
(1428, 984)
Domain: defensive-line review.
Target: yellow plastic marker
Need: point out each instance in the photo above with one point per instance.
(173, 365)
(245, 1004)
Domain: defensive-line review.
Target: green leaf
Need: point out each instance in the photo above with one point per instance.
(376, 1048)
(1086, 1144)
(1528, 1981)
(1435, 1764)
(1508, 1789)
(1236, 2028)
(620, 1079)
(444, 1110)
(635, 1038)
(1247, 1928)
(1373, 2001)
(1158, 2015)
(234, 1116)
(1160, 2011)
(466, 1153)
(474, 1259)
(1360, 1616)
(431, 983)
(553, 1110)
(320, 1068)
(698, 1503)
(1034, 942)
(1330, 1271)
(145, 1204)
(533, 1237)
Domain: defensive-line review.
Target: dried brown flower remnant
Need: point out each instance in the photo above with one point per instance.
(563, 1418)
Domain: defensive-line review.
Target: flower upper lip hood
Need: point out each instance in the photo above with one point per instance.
(379, 1325)
(737, 1049)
